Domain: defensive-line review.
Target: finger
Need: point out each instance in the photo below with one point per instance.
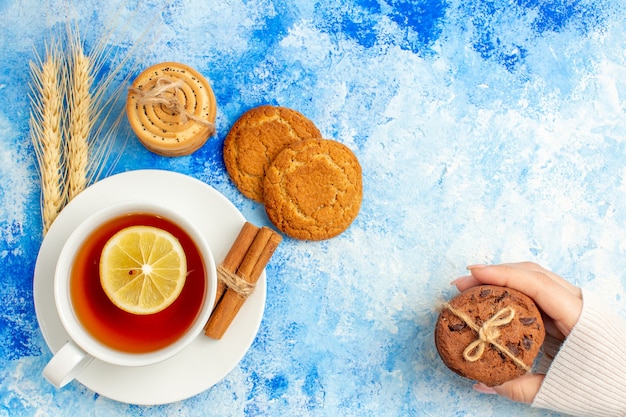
(522, 389)
(558, 279)
(465, 282)
(551, 328)
(556, 300)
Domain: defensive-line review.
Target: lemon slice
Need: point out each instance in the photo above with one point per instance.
(143, 269)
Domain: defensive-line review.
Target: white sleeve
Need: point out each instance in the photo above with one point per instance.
(588, 374)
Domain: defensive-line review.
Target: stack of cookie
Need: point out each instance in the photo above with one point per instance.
(489, 334)
(171, 108)
(311, 187)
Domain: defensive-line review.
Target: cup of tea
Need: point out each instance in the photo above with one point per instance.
(96, 325)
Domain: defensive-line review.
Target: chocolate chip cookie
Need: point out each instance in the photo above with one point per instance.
(489, 334)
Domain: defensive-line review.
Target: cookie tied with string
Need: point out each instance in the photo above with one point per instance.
(171, 108)
(489, 334)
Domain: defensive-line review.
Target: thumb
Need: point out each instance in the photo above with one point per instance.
(522, 389)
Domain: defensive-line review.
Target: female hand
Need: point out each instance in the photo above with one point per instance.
(560, 302)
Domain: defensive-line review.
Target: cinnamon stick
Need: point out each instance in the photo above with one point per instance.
(252, 257)
(258, 255)
(235, 255)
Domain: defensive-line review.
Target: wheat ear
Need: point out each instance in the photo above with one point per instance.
(46, 131)
(80, 118)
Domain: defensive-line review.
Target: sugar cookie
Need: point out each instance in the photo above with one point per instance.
(313, 189)
(256, 138)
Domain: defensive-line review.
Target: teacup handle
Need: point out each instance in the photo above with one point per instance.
(66, 364)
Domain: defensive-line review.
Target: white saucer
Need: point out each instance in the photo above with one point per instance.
(205, 361)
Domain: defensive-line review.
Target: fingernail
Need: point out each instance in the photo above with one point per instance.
(475, 266)
(460, 280)
(484, 389)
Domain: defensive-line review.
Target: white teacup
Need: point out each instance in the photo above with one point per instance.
(83, 345)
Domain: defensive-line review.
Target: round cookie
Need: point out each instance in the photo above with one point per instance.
(256, 138)
(171, 108)
(512, 331)
(313, 189)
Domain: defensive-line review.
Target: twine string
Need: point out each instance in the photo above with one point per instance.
(488, 333)
(235, 282)
(158, 95)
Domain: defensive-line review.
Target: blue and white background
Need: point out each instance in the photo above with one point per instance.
(488, 131)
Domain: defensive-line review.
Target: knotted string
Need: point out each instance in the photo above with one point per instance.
(156, 95)
(235, 282)
(488, 333)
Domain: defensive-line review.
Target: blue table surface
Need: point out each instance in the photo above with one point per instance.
(488, 131)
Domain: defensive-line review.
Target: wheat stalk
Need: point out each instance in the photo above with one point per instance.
(94, 124)
(80, 116)
(46, 131)
(75, 116)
